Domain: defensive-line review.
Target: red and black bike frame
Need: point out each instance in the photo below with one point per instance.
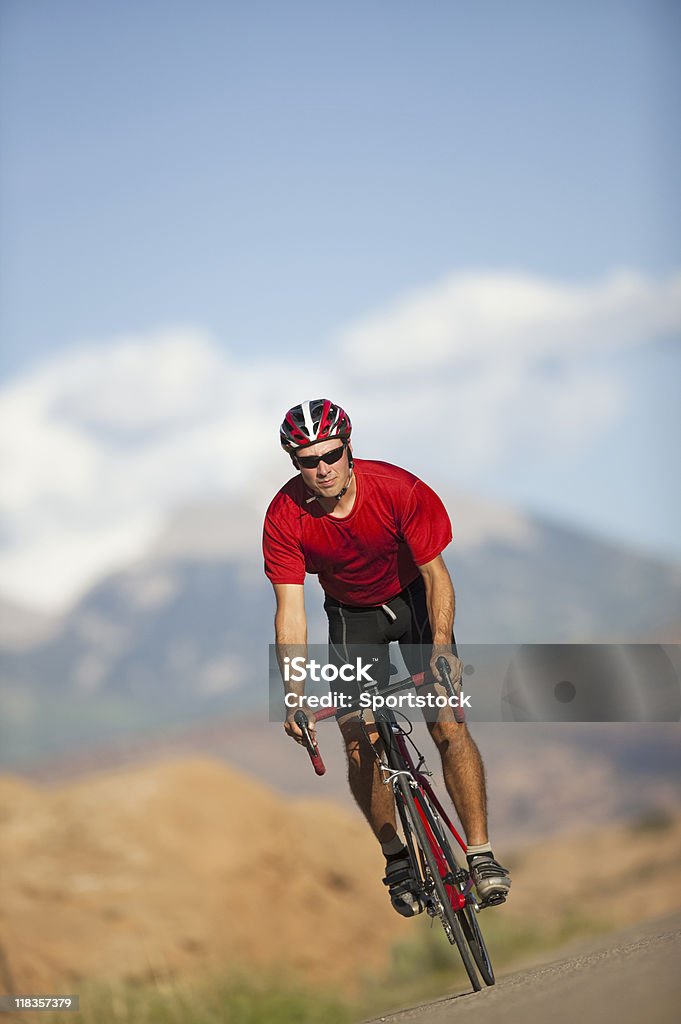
(447, 866)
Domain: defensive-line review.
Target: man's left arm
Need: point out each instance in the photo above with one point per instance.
(441, 604)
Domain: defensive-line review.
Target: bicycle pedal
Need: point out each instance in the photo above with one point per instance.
(495, 900)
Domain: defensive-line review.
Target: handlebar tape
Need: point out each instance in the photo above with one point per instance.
(300, 718)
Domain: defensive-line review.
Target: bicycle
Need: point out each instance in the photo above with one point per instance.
(443, 883)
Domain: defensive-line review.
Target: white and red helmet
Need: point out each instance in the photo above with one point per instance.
(313, 421)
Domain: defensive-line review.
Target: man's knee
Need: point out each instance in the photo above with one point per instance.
(361, 741)
(448, 735)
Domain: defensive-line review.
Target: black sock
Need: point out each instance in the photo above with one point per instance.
(400, 855)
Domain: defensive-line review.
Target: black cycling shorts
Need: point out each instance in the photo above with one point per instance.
(366, 632)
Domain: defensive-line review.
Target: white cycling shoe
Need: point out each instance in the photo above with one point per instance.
(492, 881)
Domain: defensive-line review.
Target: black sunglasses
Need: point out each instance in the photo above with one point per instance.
(312, 461)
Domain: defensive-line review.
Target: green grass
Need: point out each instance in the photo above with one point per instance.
(232, 1001)
(423, 968)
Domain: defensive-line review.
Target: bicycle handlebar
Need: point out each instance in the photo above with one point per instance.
(402, 684)
(419, 679)
(301, 720)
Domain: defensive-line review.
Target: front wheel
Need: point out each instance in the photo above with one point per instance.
(435, 888)
(471, 929)
(467, 915)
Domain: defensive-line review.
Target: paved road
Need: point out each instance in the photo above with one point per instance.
(633, 977)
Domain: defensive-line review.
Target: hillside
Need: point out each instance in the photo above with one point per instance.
(183, 634)
(179, 866)
(543, 778)
(175, 868)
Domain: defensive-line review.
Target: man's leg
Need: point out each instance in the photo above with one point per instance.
(464, 776)
(377, 803)
(373, 797)
(360, 634)
(365, 633)
(462, 765)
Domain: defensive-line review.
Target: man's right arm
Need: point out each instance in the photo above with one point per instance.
(290, 633)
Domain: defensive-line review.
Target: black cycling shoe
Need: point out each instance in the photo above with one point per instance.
(402, 885)
(491, 880)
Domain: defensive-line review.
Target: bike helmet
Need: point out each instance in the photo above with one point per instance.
(313, 421)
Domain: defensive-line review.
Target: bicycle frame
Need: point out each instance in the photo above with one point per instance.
(394, 737)
(398, 738)
(423, 781)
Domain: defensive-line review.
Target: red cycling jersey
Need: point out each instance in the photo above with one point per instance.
(366, 558)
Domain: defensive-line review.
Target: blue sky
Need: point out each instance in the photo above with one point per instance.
(275, 173)
(166, 161)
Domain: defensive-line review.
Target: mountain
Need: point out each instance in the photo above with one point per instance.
(183, 634)
(22, 627)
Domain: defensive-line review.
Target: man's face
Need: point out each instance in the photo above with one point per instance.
(325, 480)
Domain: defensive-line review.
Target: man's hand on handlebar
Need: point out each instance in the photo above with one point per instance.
(293, 729)
(455, 665)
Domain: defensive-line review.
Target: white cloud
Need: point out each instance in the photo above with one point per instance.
(513, 318)
(165, 381)
(98, 443)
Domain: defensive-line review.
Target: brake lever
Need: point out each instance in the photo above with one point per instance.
(443, 668)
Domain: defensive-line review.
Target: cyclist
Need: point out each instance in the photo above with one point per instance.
(374, 534)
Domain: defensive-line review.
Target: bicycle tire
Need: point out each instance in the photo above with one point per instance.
(476, 942)
(445, 911)
(467, 916)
